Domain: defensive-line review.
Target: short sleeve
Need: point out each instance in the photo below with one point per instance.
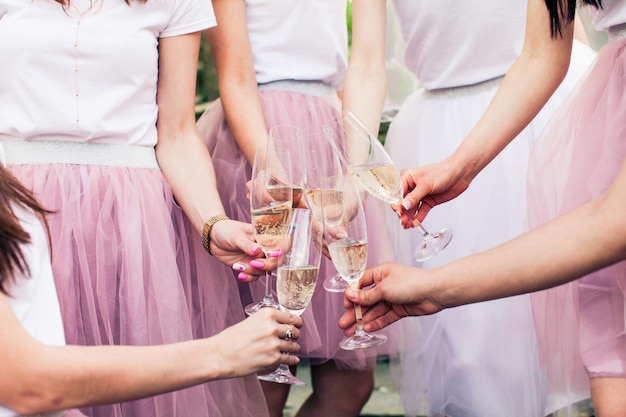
(189, 16)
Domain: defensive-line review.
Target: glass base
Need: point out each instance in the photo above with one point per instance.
(432, 244)
(266, 303)
(362, 340)
(335, 284)
(282, 375)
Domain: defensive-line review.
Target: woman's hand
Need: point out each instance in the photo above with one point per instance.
(257, 344)
(398, 291)
(232, 242)
(425, 187)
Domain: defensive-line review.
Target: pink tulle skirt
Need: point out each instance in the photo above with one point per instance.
(130, 270)
(580, 325)
(321, 334)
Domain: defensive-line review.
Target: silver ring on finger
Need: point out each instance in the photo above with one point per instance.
(288, 333)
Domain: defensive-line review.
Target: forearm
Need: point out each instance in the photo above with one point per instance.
(527, 86)
(68, 377)
(244, 113)
(523, 92)
(575, 244)
(365, 87)
(187, 166)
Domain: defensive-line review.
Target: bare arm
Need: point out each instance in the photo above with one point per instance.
(365, 84)
(36, 378)
(527, 86)
(185, 160)
(232, 54)
(584, 240)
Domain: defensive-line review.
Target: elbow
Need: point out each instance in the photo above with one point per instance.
(28, 399)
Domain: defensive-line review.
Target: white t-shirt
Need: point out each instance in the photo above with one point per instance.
(113, 93)
(613, 13)
(298, 40)
(449, 44)
(33, 298)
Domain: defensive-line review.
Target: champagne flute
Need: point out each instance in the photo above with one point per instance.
(322, 161)
(289, 139)
(346, 233)
(377, 173)
(297, 276)
(270, 208)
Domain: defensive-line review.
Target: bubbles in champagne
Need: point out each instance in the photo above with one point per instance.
(295, 286)
(349, 257)
(381, 180)
(270, 225)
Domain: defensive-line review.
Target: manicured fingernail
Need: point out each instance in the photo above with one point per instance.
(256, 264)
(406, 205)
(239, 267)
(276, 253)
(351, 293)
(242, 276)
(255, 248)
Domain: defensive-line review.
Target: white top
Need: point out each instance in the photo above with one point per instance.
(447, 44)
(33, 298)
(113, 90)
(298, 40)
(613, 13)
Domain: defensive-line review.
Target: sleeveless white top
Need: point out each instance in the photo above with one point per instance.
(33, 298)
(298, 40)
(613, 13)
(461, 52)
(113, 91)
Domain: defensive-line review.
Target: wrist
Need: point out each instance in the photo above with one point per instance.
(208, 228)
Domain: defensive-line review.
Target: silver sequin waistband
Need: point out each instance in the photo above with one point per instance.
(617, 32)
(314, 88)
(465, 90)
(83, 153)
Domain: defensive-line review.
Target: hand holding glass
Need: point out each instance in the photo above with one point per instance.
(377, 173)
(346, 233)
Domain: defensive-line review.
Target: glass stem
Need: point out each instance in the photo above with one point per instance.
(359, 319)
(423, 231)
(268, 289)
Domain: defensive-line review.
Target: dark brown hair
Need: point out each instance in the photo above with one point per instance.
(564, 11)
(12, 234)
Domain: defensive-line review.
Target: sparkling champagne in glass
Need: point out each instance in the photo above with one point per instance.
(297, 276)
(377, 173)
(270, 209)
(346, 236)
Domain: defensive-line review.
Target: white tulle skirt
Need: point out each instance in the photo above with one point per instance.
(481, 359)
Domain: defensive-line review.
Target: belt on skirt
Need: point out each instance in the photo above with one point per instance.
(313, 88)
(83, 153)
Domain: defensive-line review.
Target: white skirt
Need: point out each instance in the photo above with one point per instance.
(480, 359)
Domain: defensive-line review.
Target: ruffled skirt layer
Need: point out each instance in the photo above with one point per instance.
(130, 270)
(581, 324)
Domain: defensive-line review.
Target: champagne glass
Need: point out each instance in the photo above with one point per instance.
(377, 173)
(270, 208)
(289, 139)
(322, 161)
(297, 276)
(346, 233)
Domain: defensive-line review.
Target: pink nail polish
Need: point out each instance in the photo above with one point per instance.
(255, 248)
(256, 264)
(242, 276)
(276, 254)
